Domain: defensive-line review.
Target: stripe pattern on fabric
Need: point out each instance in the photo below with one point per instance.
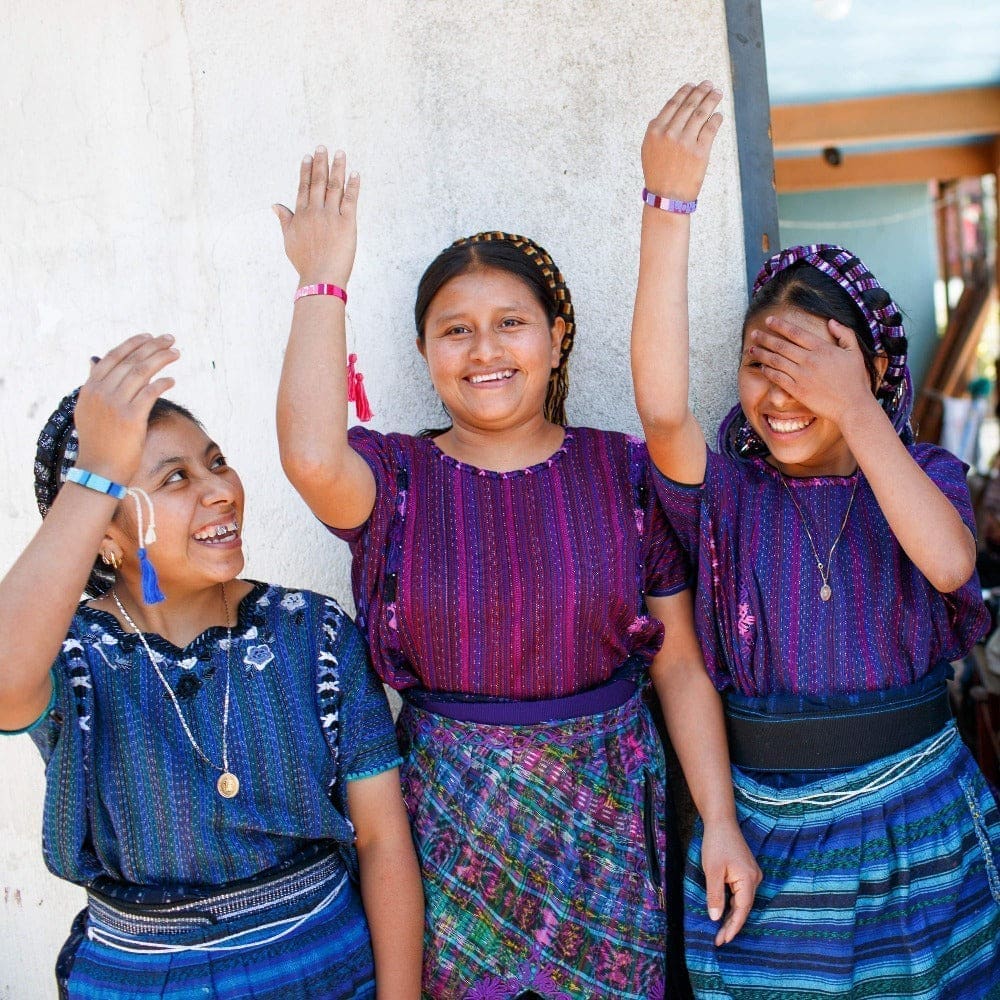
(542, 849)
(874, 886)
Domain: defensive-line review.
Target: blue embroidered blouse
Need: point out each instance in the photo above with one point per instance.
(128, 801)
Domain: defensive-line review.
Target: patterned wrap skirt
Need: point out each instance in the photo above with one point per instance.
(311, 941)
(544, 855)
(879, 882)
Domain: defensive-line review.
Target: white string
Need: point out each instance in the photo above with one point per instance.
(868, 223)
(895, 773)
(113, 939)
(150, 535)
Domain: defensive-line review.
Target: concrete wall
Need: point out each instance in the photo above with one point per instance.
(143, 146)
(893, 233)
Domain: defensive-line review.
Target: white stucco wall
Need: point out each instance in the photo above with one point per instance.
(143, 146)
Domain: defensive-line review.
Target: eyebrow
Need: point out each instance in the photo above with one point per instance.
(461, 314)
(181, 459)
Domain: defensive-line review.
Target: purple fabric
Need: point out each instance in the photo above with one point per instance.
(761, 622)
(525, 584)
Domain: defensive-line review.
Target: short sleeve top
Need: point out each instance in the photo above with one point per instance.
(763, 626)
(129, 802)
(525, 584)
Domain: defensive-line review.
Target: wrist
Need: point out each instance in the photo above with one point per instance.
(321, 289)
(96, 482)
(669, 201)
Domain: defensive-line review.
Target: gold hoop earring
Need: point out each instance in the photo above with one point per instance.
(111, 559)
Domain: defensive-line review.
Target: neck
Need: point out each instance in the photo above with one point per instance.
(504, 449)
(180, 618)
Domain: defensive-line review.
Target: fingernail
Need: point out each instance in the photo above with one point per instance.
(320, 150)
(354, 175)
(339, 155)
(307, 158)
(715, 913)
(94, 359)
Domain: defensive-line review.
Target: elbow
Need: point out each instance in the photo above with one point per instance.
(306, 468)
(954, 575)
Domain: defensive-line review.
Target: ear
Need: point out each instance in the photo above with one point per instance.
(111, 552)
(422, 347)
(557, 333)
(881, 366)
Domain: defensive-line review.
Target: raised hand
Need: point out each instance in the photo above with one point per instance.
(321, 235)
(679, 140)
(817, 362)
(113, 409)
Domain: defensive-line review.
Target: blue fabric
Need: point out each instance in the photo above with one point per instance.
(127, 799)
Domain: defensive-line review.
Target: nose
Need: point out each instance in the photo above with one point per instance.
(777, 396)
(486, 346)
(218, 490)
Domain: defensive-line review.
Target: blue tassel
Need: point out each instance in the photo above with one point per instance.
(151, 593)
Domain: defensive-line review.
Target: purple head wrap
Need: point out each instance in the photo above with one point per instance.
(885, 336)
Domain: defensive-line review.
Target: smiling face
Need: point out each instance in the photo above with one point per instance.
(799, 442)
(490, 349)
(198, 502)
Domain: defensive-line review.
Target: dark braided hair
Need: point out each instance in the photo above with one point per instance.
(828, 281)
(56, 453)
(524, 259)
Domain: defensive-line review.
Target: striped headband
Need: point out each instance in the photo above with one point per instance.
(885, 325)
(55, 454)
(555, 400)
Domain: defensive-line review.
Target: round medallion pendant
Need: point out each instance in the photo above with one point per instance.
(228, 784)
(824, 592)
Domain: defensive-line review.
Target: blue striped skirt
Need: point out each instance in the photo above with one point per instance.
(879, 882)
(310, 944)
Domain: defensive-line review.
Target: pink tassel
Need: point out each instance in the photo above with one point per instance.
(352, 392)
(361, 405)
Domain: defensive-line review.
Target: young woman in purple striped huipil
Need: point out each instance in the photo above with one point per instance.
(513, 577)
(835, 581)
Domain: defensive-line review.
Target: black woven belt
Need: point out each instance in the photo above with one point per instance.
(825, 742)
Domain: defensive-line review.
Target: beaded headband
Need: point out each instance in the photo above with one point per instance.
(885, 326)
(555, 399)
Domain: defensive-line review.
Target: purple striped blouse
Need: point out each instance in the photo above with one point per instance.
(762, 624)
(524, 584)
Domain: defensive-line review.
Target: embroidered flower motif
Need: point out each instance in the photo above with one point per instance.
(292, 602)
(188, 662)
(745, 621)
(187, 687)
(490, 988)
(258, 657)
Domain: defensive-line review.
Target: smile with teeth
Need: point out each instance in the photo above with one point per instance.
(788, 425)
(500, 376)
(218, 533)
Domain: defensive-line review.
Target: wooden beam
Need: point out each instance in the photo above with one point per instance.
(751, 104)
(902, 166)
(938, 115)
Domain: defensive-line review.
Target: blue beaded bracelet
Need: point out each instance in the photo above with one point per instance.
(668, 204)
(95, 482)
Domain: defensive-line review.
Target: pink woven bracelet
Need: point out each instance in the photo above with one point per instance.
(321, 290)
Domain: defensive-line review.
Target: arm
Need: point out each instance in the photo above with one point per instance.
(320, 240)
(827, 374)
(675, 155)
(390, 883)
(692, 710)
(39, 594)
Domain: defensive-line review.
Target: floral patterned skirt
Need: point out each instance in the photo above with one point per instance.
(544, 852)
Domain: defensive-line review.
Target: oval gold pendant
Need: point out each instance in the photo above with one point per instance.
(825, 594)
(228, 784)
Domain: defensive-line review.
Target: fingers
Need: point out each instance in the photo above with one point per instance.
(774, 360)
(843, 335)
(741, 900)
(690, 111)
(335, 182)
(762, 340)
(796, 333)
(318, 178)
(715, 893)
(349, 203)
(130, 372)
(305, 176)
(284, 215)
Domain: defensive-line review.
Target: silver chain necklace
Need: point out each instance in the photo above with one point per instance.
(227, 784)
(826, 591)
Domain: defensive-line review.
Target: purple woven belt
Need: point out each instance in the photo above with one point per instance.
(611, 695)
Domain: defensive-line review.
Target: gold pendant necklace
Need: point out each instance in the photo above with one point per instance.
(227, 785)
(825, 591)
